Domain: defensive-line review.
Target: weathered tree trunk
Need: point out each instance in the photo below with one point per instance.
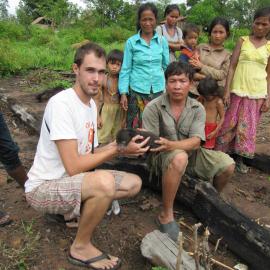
(161, 250)
(260, 161)
(245, 237)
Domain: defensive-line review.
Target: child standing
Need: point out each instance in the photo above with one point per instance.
(247, 91)
(111, 116)
(211, 97)
(191, 34)
(170, 30)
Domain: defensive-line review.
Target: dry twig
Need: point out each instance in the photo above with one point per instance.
(180, 251)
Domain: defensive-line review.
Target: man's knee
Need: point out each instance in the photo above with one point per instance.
(229, 170)
(100, 183)
(179, 162)
(136, 184)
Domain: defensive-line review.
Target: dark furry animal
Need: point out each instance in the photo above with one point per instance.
(47, 94)
(124, 136)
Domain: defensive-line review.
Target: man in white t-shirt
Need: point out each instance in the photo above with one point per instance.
(58, 183)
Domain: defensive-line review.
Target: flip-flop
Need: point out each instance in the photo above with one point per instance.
(4, 219)
(59, 219)
(171, 228)
(87, 263)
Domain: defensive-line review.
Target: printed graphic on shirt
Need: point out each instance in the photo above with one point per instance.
(91, 133)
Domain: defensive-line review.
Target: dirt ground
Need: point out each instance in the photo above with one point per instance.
(31, 242)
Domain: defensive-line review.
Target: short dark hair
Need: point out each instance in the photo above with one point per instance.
(178, 68)
(115, 55)
(190, 27)
(262, 12)
(142, 8)
(170, 8)
(87, 49)
(219, 20)
(209, 87)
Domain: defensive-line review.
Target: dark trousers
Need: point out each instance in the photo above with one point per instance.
(8, 148)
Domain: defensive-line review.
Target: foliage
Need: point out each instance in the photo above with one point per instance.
(12, 30)
(203, 12)
(3, 9)
(241, 12)
(58, 11)
(45, 48)
(159, 268)
(107, 12)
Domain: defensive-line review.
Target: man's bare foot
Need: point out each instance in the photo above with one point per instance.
(81, 254)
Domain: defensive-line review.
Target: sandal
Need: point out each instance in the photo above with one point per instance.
(59, 219)
(87, 263)
(4, 219)
(171, 228)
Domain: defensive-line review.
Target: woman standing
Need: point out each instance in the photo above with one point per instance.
(247, 91)
(214, 59)
(146, 56)
(170, 31)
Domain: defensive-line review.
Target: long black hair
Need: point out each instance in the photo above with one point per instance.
(219, 20)
(170, 8)
(262, 12)
(142, 8)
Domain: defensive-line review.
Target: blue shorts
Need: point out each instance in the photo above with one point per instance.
(8, 148)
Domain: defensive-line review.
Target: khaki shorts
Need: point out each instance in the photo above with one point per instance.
(202, 163)
(62, 196)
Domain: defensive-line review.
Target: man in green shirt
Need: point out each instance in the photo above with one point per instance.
(179, 122)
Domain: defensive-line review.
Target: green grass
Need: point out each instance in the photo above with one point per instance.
(23, 49)
(19, 257)
(44, 48)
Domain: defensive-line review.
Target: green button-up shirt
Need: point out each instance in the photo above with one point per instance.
(158, 118)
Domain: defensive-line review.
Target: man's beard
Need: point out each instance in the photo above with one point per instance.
(87, 93)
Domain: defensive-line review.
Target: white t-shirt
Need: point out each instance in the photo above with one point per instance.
(65, 117)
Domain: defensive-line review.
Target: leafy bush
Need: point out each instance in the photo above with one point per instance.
(40, 36)
(12, 30)
(108, 35)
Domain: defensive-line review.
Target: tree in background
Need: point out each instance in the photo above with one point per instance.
(202, 12)
(3, 9)
(107, 12)
(58, 11)
(240, 12)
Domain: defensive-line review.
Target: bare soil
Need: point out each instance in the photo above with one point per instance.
(31, 242)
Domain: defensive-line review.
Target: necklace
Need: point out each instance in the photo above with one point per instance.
(112, 92)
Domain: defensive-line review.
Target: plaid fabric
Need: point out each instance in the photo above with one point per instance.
(63, 196)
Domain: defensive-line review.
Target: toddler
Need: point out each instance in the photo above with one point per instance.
(211, 97)
(111, 116)
(190, 36)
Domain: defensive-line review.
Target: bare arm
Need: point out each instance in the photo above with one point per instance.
(232, 67)
(221, 113)
(266, 104)
(75, 163)
(198, 76)
(176, 46)
(186, 144)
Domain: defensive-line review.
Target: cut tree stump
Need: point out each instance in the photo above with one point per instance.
(243, 236)
(158, 248)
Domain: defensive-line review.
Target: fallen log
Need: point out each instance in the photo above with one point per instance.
(260, 162)
(244, 237)
(158, 248)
